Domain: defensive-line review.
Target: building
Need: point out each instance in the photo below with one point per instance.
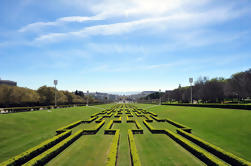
(8, 82)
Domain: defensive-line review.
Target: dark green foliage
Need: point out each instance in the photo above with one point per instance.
(230, 106)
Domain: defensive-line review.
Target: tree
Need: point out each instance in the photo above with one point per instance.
(47, 95)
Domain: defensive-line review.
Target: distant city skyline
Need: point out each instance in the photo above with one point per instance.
(122, 46)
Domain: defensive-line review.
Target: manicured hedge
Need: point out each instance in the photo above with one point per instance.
(183, 127)
(33, 152)
(130, 115)
(157, 119)
(43, 158)
(113, 154)
(95, 130)
(152, 113)
(229, 106)
(133, 150)
(109, 125)
(148, 119)
(90, 120)
(119, 120)
(153, 130)
(129, 120)
(108, 115)
(108, 129)
(63, 129)
(204, 156)
(99, 119)
(226, 156)
(96, 114)
(24, 109)
(138, 115)
(139, 129)
(117, 115)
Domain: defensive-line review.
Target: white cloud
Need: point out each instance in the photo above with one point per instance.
(173, 23)
(176, 19)
(38, 25)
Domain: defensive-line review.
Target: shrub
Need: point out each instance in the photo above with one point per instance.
(63, 129)
(90, 120)
(157, 119)
(152, 113)
(52, 152)
(99, 119)
(204, 156)
(226, 156)
(183, 127)
(153, 130)
(229, 106)
(33, 152)
(119, 120)
(139, 129)
(133, 149)
(112, 156)
(95, 130)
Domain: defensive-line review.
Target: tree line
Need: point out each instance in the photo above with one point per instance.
(235, 89)
(13, 96)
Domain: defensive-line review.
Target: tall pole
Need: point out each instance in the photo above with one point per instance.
(191, 94)
(55, 83)
(87, 98)
(159, 96)
(191, 81)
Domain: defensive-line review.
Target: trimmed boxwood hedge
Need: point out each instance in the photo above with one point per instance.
(24, 109)
(229, 106)
(113, 154)
(153, 130)
(63, 129)
(90, 120)
(148, 119)
(99, 119)
(129, 120)
(183, 127)
(153, 114)
(33, 152)
(226, 156)
(108, 129)
(95, 130)
(157, 119)
(204, 156)
(43, 158)
(139, 129)
(119, 120)
(133, 150)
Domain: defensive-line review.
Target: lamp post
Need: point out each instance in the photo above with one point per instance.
(87, 98)
(191, 81)
(55, 83)
(159, 96)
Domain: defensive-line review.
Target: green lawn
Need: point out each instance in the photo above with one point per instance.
(228, 129)
(21, 131)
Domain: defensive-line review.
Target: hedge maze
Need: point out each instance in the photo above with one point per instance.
(125, 113)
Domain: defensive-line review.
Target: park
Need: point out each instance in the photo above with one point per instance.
(125, 83)
(126, 134)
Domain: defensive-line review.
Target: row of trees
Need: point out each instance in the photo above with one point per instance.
(236, 89)
(17, 96)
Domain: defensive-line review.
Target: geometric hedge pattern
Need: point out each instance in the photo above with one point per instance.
(47, 150)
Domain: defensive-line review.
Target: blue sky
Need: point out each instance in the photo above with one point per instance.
(118, 46)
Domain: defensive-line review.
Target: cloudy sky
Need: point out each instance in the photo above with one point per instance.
(129, 45)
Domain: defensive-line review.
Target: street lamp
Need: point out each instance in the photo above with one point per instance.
(159, 96)
(191, 81)
(87, 98)
(55, 83)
